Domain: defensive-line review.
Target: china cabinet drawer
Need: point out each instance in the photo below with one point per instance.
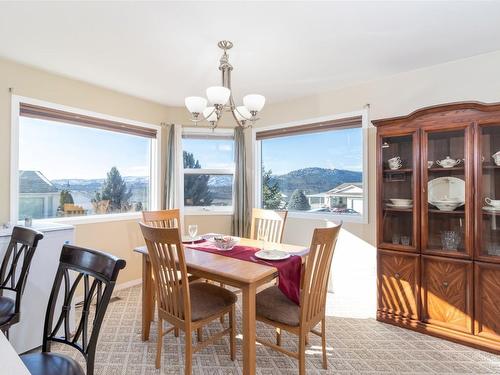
(487, 292)
(447, 293)
(398, 279)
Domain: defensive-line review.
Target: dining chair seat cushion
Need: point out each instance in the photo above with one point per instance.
(51, 364)
(273, 305)
(209, 299)
(7, 309)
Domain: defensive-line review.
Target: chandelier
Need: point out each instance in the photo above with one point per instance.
(221, 99)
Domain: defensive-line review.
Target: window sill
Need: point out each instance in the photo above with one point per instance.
(207, 213)
(91, 219)
(330, 217)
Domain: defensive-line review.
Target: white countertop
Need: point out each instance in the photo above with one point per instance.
(42, 226)
(11, 363)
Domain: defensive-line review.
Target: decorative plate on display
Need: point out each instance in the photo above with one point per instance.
(446, 189)
(272, 254)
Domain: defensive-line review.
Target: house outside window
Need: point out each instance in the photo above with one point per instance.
(315, 168)
(71, 163)
(208, 171)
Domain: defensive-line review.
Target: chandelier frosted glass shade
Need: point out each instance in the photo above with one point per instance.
(220, 99)
(218, 95)
(210, 114)
(254, 102)
(242, 113)
(195, 104)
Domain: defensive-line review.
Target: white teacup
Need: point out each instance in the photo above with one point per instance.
(496, 157)
(395, 162)
(493, 202)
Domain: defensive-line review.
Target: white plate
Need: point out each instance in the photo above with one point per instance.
(189, 239)
(446, 188)
(272, 254)
(489, 208)
(398, 206)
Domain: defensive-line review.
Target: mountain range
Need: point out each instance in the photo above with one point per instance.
(311, 180)
(314, 180)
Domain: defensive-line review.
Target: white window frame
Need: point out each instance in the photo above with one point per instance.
(155, 165)
(210, 210)
(257, 149)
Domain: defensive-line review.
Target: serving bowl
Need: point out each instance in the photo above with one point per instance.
(224, 242)
(447, 205)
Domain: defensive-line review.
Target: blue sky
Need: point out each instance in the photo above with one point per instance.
(341, 149)
(62, 151)
(337, 149)
(211, 154)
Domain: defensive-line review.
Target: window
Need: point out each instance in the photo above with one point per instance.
(313, 169)
(208, 162)
(71, 164)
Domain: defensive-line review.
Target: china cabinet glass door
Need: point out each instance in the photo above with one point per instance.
(488, 196)
(398, 229)
(446, 187)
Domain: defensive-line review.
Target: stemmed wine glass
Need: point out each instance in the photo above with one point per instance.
(193, 230)
(261, 236)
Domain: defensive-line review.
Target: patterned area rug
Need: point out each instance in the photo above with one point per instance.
(355, 346)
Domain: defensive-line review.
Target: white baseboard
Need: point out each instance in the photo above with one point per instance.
(118, 287)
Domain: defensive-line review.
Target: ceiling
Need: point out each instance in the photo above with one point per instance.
(165, 51)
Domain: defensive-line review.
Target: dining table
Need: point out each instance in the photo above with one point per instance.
(242, 274)
(10, 361)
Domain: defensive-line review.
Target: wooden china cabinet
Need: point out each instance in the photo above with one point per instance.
(438, 222)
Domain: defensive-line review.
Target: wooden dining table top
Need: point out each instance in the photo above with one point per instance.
(236, 269)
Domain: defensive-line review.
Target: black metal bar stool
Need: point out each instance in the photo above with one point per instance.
(98, 272)
(14, 273)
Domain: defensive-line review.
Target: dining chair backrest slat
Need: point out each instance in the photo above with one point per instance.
(317, 273)
(162, 219)
(169, 269)
(270, 223)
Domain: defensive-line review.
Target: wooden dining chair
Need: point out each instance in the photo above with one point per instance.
(186, 306)
(14, 273)
(271, 222)
(97, 271)
(163, 218)
(275, 309)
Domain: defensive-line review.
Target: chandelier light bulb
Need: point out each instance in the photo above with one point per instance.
(195, 104)
(210, 114)
(218, 95)
(254, 102)
(242, 113)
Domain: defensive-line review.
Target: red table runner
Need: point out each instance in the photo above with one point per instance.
(289, 270)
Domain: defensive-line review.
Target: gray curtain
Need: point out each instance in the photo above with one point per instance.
(241, 209)
(169, 186)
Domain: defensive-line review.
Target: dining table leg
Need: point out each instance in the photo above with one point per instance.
(147, 298)
(248, 316)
